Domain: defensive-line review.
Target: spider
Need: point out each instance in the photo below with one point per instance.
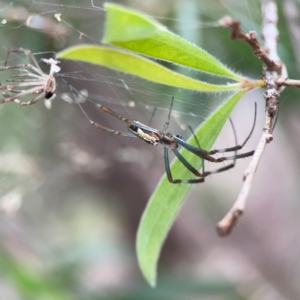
(171, 141)
(31, 82)
(44, 85)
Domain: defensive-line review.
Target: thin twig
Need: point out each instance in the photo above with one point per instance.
(251, 39)
(288, 82)
(225, 226)
(274, 70)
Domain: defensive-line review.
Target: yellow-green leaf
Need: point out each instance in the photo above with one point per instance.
(135, 31)
(139, 66)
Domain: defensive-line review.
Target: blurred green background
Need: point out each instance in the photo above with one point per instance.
(71, 196)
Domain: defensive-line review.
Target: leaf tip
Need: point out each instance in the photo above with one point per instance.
(153, 283)
(150, 278)
(149, 275)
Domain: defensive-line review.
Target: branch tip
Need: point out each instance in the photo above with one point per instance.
(225, 226)
(251, 39)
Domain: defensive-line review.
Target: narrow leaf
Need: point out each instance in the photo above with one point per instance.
(135, 31)
(168, 198)
(139, 66)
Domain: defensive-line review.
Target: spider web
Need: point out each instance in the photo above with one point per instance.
(72, 178)
(83, 190)
(62, 25)
(46, 28)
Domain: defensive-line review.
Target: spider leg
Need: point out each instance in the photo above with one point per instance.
(232, 165)
(22, 66)
(13, 91)
(25, 80)
(207, 155)
(28, 74)
(195, 171)
(197, 141)
(203, 154)
(74, 91)
(169, 116)
(197, 151)
(36, 99)
(20, 91)
(22, 94)
(191, 169)
(169, 174)
(152, 116)
(181, 159)
(26, 51)
(20, 84)
(104, 108)
(186, 163)
(238, 147)
(5, 95)
(111, 130)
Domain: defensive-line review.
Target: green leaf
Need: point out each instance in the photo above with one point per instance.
(168, 198)
(138, 32)
(139, 66)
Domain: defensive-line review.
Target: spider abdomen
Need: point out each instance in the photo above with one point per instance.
(147, 136)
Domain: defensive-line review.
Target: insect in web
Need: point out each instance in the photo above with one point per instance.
(171, 141)
(30, 81)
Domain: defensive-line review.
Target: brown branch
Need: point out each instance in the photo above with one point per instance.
(225, 226)
(288, 82)
(274, 72)
(251, 39)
